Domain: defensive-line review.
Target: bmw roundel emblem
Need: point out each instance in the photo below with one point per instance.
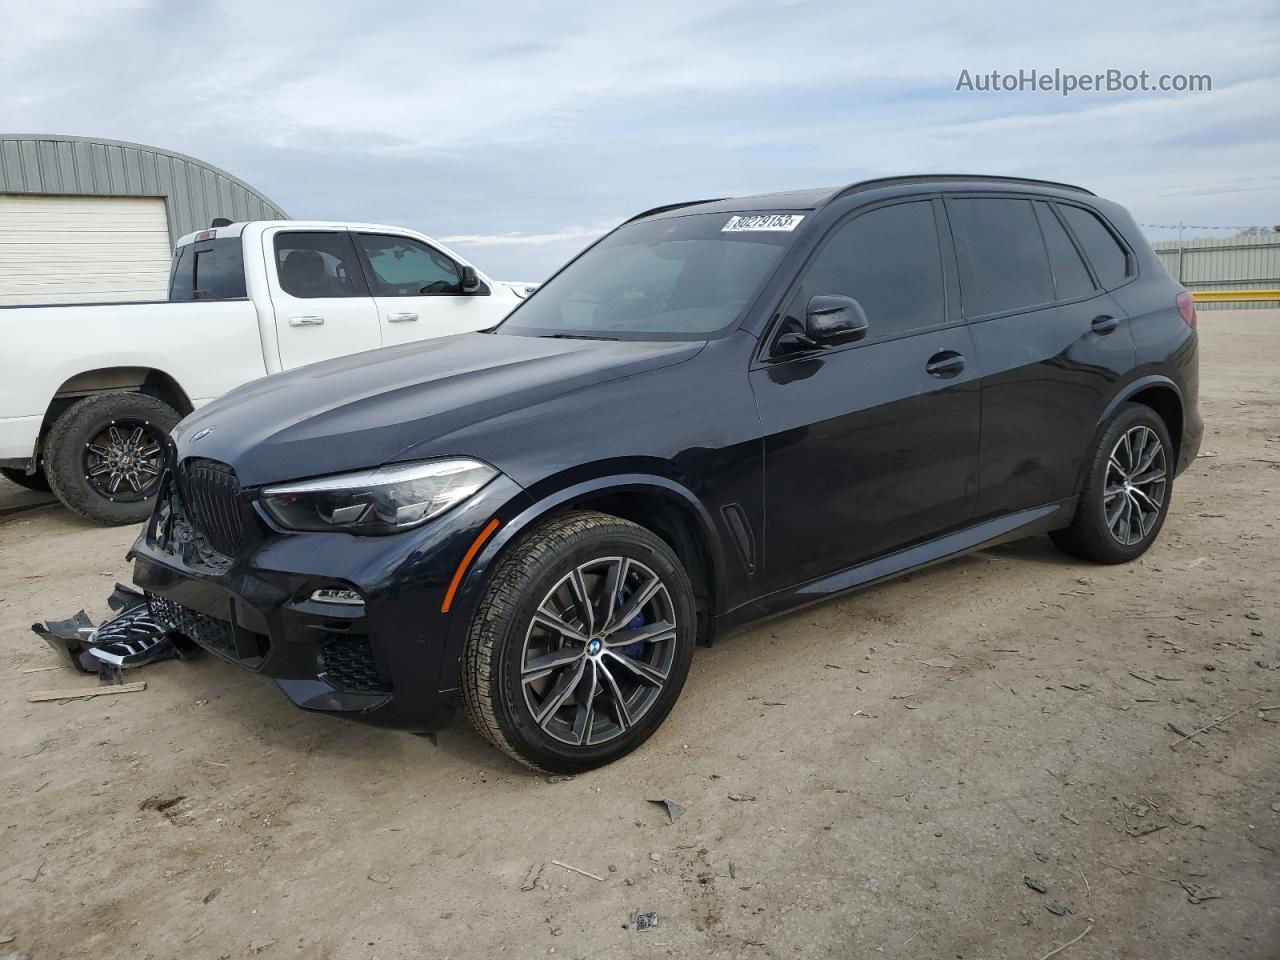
(201, 434)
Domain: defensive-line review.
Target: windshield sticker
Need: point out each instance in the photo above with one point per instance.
(785, 222)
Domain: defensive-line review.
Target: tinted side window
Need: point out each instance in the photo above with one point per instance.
(1003, 265)
(315, 265)
(890, 262)
(1070, 277)
(180, 285)
(1110, 260)
(406, 268)
(211, 270)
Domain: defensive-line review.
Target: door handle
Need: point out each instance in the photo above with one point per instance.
(945, 364)
(311, 321)
(401, 317)
(1104, 324)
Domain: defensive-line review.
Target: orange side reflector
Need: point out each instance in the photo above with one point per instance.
(467, 557)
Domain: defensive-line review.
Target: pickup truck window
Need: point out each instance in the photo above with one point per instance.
(402, 267)
(210, 270)
(318, 265)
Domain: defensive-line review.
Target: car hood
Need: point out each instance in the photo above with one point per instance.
(372, 408)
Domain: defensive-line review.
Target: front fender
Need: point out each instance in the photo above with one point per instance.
(472, 587)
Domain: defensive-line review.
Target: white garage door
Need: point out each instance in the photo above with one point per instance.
(83, 249)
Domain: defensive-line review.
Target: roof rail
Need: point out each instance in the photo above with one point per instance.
(672, 206)
(967, 177)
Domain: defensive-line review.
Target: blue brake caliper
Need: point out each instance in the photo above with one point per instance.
(633, 650)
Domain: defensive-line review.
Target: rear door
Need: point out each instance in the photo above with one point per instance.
(418, 290)
(1050, 344)
(318, 291)
(873, 445)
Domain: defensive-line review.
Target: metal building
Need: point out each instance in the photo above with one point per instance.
(84, 220)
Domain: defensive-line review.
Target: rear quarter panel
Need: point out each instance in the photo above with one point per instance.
(1165, 347)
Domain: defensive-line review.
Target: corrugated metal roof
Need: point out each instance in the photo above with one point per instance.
(194, 192)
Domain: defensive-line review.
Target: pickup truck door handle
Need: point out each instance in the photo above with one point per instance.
(401, 317)
(1104, 324)
(305, 321)
(945, 364)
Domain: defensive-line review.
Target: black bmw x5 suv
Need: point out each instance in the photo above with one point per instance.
(719, 411)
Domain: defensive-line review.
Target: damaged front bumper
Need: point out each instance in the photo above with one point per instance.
(374, 655)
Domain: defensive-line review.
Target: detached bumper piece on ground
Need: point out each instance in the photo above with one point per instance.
(132, 638)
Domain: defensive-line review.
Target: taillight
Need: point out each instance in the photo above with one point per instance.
(1187, 307)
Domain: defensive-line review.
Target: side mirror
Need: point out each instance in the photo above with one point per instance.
(829, 320)
(833, 320)
(470, 280)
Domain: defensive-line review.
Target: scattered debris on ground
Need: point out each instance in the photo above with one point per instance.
(132, 638)
(531, 881)
(84, 693)
(585, 873)
(674, 810)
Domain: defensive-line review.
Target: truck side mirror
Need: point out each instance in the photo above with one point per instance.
(470, 280)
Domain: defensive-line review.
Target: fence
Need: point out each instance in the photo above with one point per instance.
(1235, 263)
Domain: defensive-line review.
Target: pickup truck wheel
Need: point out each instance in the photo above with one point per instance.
(581, 643)
(32, 481)
(105, 454)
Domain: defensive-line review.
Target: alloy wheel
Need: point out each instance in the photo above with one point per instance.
(123, 461)
(598, 651)
(1135, 487)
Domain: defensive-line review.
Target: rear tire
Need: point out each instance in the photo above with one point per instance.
(82, 478)
(1126, 492)
(32, 481)
(562, 684)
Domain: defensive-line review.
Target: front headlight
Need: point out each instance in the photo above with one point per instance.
(384, 500)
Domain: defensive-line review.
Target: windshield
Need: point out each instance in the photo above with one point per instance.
(683, 278)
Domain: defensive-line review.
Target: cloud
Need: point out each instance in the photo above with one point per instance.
(514, 130)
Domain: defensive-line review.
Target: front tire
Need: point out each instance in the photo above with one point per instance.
(105, 453)
(581, 643)
(1126, 491)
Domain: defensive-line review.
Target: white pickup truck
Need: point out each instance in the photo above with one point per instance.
(88, 392)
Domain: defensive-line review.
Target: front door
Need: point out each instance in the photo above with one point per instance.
(871, 446)
(321, 302)
(418, 291)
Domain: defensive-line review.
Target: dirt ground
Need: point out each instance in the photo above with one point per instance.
(874, 776)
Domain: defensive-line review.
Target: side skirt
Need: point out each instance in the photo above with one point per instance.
(988, 533)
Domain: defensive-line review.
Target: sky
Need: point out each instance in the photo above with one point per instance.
(518, 132)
